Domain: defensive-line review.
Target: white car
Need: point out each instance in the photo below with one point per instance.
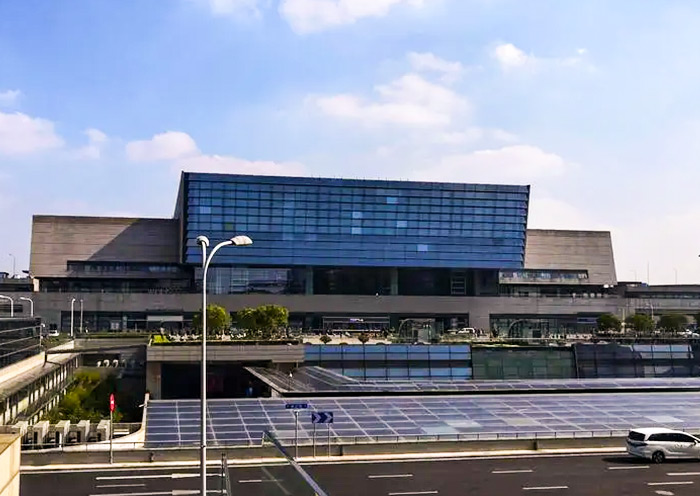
(657, 444)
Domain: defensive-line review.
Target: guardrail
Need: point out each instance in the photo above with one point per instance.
(351, 440)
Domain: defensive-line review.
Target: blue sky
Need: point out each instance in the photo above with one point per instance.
(595, 104)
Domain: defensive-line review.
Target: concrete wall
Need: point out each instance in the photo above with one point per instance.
(9, 464)
(58, 239)
(586, 250)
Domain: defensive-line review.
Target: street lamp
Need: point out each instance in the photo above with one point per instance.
(31, 304)
(12, 304)
(206, 260)
(72, 305)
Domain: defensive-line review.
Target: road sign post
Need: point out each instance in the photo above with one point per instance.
(111, 427)
(296, 407)
(322, 418)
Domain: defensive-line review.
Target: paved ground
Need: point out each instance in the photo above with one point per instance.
(560, 475)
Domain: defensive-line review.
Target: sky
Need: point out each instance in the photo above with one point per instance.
(594, 104)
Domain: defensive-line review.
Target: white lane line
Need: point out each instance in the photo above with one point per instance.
(683, 483)
(174, 492)
(628, 467)
(103, 486)
(523, 471)
(412, 493)
(390, 476)
(256, 481)
(661, 492)
(683, 473)
(544, 488)
(158, 476)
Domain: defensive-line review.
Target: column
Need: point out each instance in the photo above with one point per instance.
(153, 379)
(394, 274)
(309, 280)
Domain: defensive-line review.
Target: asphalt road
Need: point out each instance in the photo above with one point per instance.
(565, 475)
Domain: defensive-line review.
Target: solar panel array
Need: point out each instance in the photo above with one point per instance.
(309, 380)
(240, 422)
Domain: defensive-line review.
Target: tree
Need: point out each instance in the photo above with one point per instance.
(672, 322)
(218, 319)
(640, 322)
(696, 317)
(609, 323)
(263, 321)
(363, 337)
(325, 339)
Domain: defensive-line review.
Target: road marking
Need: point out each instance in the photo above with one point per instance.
(412, 493)
(119, 485)
(683, 473)
(661, 492)
(628, 467)
(256, 481)
(390, 476)
(544, 488)
(174, 492)
(523, 471)
(683, 483)
(159, 476)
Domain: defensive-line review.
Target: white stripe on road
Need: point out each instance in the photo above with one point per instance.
(119, 485)
(524, 471)
(628, 467)
(159, 476)
(390, 476)
(684, 483)
(683, 473)
(663, 493)
(256, 481)
(544, 488)
(174, 492)
(412, 493)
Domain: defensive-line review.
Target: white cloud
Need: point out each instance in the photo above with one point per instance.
(96, 142)
(21, 134)
(511, 58)
(429, 62)
(473, 135)
(234, 165)
(307, 16)
(231, 7)
(408, 101)
(170, 145)
(552, 213)
(9, 97)
(182, 152)
(517, 164)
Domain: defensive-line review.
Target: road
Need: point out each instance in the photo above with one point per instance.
(528, 476)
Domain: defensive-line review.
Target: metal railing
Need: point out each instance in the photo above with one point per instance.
(151, 445)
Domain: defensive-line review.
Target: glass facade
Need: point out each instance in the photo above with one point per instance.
(637, 360)
(351, 223)
(394, 361)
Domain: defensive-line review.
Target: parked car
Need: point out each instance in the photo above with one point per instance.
(657, 444)
(53, 333)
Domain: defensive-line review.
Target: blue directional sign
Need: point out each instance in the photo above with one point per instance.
(322, 417)
(296, 406)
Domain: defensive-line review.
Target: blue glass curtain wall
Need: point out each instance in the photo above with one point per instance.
(307, 221)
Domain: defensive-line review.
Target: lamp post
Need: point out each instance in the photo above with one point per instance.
(72, 305)
(31, 304)
(12, 304)
(81, 315)
(206, 260)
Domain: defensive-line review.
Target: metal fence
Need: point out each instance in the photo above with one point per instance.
(357, 440)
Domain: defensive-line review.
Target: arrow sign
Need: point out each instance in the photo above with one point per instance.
(322, 417)
(296, 406)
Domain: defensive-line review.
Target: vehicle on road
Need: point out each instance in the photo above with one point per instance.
(658, 444)
(53, 333)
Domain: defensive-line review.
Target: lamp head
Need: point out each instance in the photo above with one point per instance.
(203, 240)
(241, 240)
